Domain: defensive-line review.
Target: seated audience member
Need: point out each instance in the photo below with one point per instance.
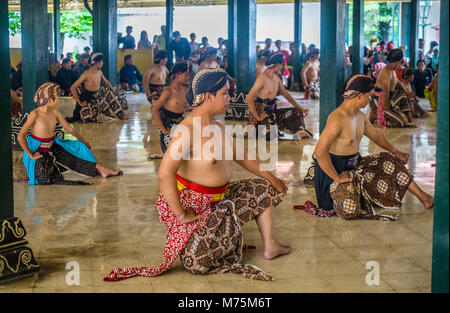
(82, 65)
(66, 77)
(431, 93)
(16, 105)
(422, 78)
(130, 75)
(16, 79)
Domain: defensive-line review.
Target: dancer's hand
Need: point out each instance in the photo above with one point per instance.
(36, 156)
(88, 144)
(84, 103)
(188, 217)
(262, 116)
(343, 178)
(401, 155)
(305, 112)
(166, 131)
(280, 185)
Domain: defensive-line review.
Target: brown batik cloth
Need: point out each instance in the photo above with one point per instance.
(288, 120)
(217, 247)
(314, 90)
(52, 164)
(416, 110)
(380, 180)
(104, 102)
(155, 92)
(395, 114)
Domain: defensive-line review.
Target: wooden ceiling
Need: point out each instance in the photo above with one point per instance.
(14, 5)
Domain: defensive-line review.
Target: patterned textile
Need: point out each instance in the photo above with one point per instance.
(221, 206)
(169, 120)
(49, 167)
(217, 246)
(104, 102)
(155, 92)
(288, 120)
(314, 90)
(393, 115)
(379, 180)
(312, 209)
(46, 92)
(416, 109)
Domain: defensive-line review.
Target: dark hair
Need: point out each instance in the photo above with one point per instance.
(128, 27)
(204, 38)
(433, 44)
(192, 34)
(97, 58)
(278, 41)
(65, 61)
(176, 34)
(84, 56)
(421, 39)
(87, 48)
(315, 52)
(179, 68)
(267, 39)
(382, 43)
(159, 56)
(421, 60)
(67, 54)
(407, 73)
(127, 57)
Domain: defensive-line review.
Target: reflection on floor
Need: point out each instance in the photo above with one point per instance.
(114, 223)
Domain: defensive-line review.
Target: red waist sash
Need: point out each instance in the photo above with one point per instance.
(46, 143)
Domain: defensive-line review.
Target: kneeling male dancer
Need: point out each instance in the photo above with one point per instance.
(262, 100)
(45, 156)
(204, 213)
(348, 183)
(168, 110)
(155, 77)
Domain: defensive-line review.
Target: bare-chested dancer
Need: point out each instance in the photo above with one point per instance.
(204, 213)
(310, 76)
(155, 78)
(168, 110)
(389, 105)
(91, 101)
(262, 100)
(352, 185)
(211, 62)
(46, 156)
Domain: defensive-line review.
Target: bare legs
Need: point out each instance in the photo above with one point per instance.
(272, 248)
(107, 172)
(425, 198)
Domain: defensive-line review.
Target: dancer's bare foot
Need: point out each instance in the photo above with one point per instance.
(276, 250)
(107, 172)
(428, 201)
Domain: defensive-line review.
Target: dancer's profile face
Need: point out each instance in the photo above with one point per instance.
(221, 100)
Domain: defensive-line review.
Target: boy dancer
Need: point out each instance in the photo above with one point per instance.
(155, 78)
(45, 156)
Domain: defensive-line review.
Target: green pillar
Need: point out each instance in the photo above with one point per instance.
(358, 36)
(405, 25)
(105, 36)
(34, 48)
(169, 31)
(414, 31)
(232, 35)
(347, 23)
(56, 29)
(441, 205)
(332, 56)
(246, 44)
(298, 6)
(6, 190)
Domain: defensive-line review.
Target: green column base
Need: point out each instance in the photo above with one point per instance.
(16, 259)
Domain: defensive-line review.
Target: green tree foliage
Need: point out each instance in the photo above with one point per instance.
(377, 20)
(75, 23)
(14, 23)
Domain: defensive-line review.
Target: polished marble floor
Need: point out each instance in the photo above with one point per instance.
(114, 223)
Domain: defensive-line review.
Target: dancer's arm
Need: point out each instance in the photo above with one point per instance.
(381, 141)
(251, 99)
(304, 71)
(23, 134)
(146, 81)
(109, 86)
(330, 133)
(384, 82)
(71, 130)
(291, 100)
(157, 106)
(167, 175)
(74, 92)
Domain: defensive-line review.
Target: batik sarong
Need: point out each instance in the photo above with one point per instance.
(155, 92)
(394, 115)
(416, 109)
(322, 181)
(288, 120)
(314, 90)
(58, 155)
(214, 243)
(170, 120)
(379, 181)
(103, 101)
